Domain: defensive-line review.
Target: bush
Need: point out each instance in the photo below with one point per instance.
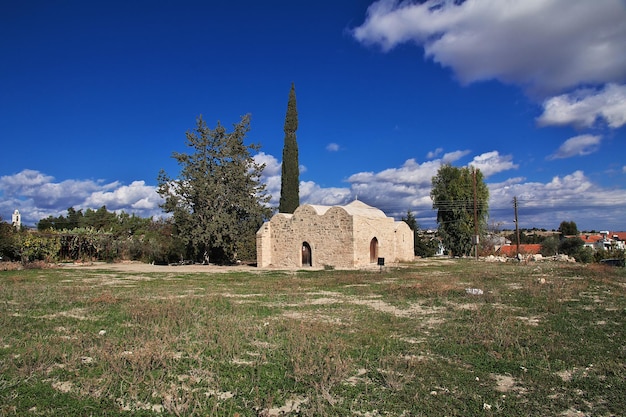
(571, 246)
(550, 246)
(9, 245)
(609, 254)
(39, 247)
(584, 255)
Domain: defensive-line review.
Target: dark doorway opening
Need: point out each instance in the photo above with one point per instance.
(307, 256)
(374, 250)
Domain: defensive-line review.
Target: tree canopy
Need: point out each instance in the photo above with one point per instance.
(422, 245)
(568, 228)
(290, 173)
(453, 197)
(99, 220)
(217, 201)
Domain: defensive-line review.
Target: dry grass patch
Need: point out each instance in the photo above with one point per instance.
(403, 342)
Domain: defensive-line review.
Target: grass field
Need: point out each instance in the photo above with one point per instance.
(543, 339)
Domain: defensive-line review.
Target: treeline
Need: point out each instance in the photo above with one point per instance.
(93, 235)
(100, 219)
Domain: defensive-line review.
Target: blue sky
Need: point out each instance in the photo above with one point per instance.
(95, 96)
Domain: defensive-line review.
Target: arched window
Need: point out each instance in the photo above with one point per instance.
(374, 250)
(307, 256)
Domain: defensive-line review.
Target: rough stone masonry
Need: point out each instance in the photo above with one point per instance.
(354, 235)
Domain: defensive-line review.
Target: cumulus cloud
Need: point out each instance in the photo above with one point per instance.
(332, 147)
(543, 45)
(585, 107)
(272, 165)
(434, 154)
(136, 197)
(37, 195)
(393, 190)
(548, 204)
(577, 146)
(451, 157)
(396, 190)
(23, 182)
(312, 193)
(492, 162)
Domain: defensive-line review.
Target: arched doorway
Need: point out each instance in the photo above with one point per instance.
(307, 257)
(374, 250)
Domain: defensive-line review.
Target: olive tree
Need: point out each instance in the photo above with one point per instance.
(217, 201)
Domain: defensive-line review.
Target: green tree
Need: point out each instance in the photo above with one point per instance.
(411, 221)
(217, 200)
(100, 219)
(568, 228)
(421, 246)
(550, 246)
(9, 244)
(46, 223)
(453, 197)
(571, 246)
(290, 174)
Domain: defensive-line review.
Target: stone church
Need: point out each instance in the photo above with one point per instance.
(354, 235)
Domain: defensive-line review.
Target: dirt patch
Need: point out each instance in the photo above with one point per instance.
(566, 375)
(63, 386)
(531, 321)
(76, 313)
(291, 406)
(506, 383)
(146, 268)
(312, 317)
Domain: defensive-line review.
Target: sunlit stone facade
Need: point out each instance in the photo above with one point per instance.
(354, 235)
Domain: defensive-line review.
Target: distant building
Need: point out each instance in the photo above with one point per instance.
(605, 240)
(16, 219)
(354, 235)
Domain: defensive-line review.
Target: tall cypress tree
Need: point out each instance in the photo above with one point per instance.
(290, 175)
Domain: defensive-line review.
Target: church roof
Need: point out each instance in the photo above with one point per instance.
(319, 210)
(359, 208)
(355, 208)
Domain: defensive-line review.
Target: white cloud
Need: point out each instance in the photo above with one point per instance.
(585, 107)
(312, 193)
(37, 195)
(272, 165)
(394, 190)
(492, 162)
(571, 197)
(577, 146)
(23, 181)
(136, 197)
(332, 147)
(543, 45)
(451, 157)
(410, 173)
(434, 154)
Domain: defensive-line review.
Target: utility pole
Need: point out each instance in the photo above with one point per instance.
(516, 225)
(475, 217)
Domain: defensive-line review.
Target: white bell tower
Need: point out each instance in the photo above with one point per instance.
(16, 219)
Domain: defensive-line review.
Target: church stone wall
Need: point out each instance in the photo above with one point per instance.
(404, 243)
(336, 235)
